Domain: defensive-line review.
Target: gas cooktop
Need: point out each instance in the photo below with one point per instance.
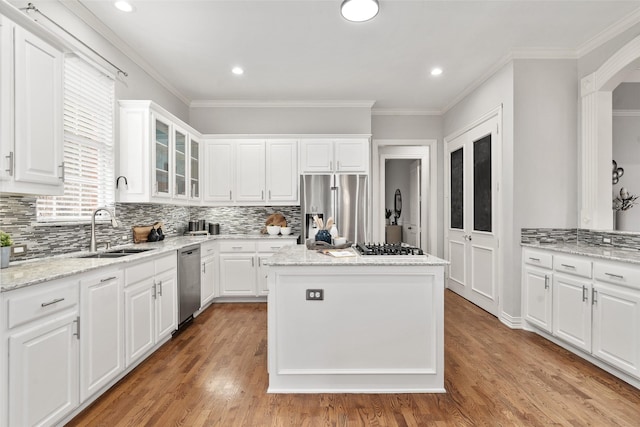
(387, 249)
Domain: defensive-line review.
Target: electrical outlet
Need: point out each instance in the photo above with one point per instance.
(606, 240)
(315, 294)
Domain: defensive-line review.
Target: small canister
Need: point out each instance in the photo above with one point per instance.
(193, 225)
(202, 224)
(214, 228)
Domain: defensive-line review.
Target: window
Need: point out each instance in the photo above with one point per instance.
(88, 145)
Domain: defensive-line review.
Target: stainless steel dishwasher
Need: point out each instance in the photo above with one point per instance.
(188, 283)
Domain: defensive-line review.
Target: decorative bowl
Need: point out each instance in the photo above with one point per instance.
(285, 230)
(273, 229)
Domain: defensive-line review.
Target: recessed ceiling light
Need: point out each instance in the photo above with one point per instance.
(123, 5)
(436, 71)
(359, 10)
(238, 71)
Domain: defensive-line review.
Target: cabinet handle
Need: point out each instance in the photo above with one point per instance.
(44, 304)
(154, 291)
(594, 296)
(330, 164)
(568, 266)
(408, 228)
(107, 279)
(269, 194)
(262, 195)
(534, 259)
(585, 295)
(259, 263)
(10, 157)
(77, 322)
(615, 276)
(546, 281)
(253, 262)
(230, 198)
(61, 171)
(338, 165)
(160, 288)
(204, 268)
(275, 247)
(236, 247)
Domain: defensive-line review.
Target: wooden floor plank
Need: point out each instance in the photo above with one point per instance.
(214, 374)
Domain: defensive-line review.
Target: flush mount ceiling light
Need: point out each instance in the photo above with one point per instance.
(238, 71)
(359, 10)
(123, 5)
(436, 71)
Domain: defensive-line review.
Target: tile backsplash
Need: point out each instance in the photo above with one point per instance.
(618, 239)
(18, 218)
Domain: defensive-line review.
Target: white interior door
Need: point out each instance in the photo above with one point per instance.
(471, 244)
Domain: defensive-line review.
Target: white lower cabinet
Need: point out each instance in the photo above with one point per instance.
(538, 297)
(572, 311)
(208, 273)
(151, 309)
(616, 326)
(242, 269)
(596, 306)
(102, 331)
(40, 328)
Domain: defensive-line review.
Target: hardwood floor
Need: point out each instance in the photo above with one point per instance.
(214, 374)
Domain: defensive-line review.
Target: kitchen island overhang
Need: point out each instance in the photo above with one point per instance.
(355, 325)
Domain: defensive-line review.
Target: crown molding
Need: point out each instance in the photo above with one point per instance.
(84, 14)
(626, 113)
(609, 33)
(403, 112)
(543, 53)
(230, 103)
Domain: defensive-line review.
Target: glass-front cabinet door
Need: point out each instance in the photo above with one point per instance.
(180, 164)
(194, 171)
(161, 135)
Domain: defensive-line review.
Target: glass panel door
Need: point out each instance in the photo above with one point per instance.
(482, 193)
(162, 157)
(457, 189)
(195, 169)
(180, 164)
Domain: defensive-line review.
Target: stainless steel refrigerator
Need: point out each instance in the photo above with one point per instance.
(341, 196)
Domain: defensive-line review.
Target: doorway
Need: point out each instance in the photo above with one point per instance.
(472, 176)
(403, 201)
(418, 216)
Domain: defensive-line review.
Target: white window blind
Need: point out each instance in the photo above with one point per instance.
(88, 145)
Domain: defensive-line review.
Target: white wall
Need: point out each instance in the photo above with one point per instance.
(545, 144)
(495, 91)
(626, 152)
(626, 96)
(281, 120)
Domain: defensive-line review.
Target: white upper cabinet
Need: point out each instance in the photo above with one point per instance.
(156, 155)
(251, 171)
(334, 155)
(31, 131)
(282, 171)
(250, 167)
(218, 172)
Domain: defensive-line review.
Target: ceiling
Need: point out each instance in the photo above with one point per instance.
(303, 50)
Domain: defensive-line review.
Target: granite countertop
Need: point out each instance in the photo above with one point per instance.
(20, 274)
(603, 252)
(299, 255)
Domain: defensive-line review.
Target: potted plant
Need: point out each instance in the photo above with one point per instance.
(5, 249)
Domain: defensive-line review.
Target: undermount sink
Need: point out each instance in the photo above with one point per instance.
(117, 253)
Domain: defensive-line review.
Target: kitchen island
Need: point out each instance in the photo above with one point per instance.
(359, 324)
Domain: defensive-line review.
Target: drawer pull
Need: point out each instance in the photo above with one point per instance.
(585, 295)
(107, 279)
(77, 322)
(616, 276)
(546, 281)
(534, 259)
(568, 266)
(160, 288)
(57, 300)
(275, 247)
(236, 247)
